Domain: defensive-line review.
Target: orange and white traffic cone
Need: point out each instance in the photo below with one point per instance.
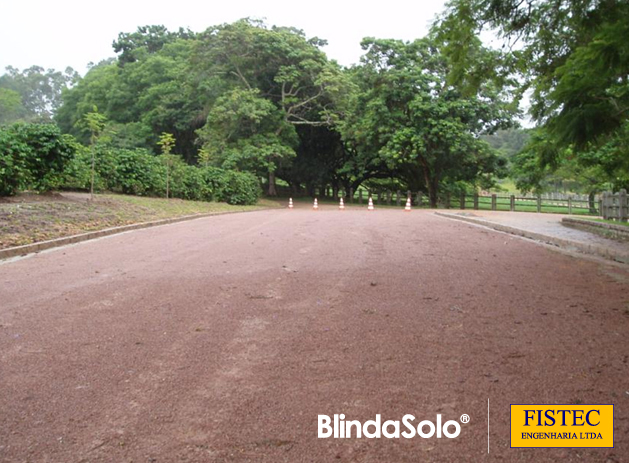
(370, 205)
(315, 206)
(290, 203)
(408, 205)
(341, 205)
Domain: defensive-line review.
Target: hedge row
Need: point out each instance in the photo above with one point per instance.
(38, 157)
(33, 157)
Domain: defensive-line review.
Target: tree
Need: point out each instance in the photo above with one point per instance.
(247, 132)
(284, 67)
(166, 142)
(408, 117)
(146, 40)
(95, 123)
(573, 55)
(39, 90)
(11, 109)
(141, 99)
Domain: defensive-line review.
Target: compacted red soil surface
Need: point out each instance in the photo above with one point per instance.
(223, 339)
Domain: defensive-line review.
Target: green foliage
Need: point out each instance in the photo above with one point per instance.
(95, 123)
(138, 172)
(146, 40)
(166, 142)
(245, 131)
(240, 188)
(574, 56)
(408, 118)
(11, 109)
(32, 95)
(33, 156)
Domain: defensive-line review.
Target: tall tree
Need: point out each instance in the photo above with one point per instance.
(408, 117)
(281, 64)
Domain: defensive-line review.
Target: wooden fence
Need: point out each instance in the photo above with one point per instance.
(615, 206)
(578, 205)
(553, 203)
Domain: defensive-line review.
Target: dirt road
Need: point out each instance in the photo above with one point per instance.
(222, 339)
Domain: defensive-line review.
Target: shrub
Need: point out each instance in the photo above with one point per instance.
(240, 188)
(33, 156)
(138, 172)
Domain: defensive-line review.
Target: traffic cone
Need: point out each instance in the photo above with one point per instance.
(370, 205)
(341, 205)
(290, 203)
(408, 205)
(315, 205)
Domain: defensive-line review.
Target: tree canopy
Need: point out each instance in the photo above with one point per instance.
(434, 114)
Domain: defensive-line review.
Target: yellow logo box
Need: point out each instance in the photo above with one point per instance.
(562, 426)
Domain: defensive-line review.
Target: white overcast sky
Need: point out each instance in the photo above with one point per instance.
(59, 33)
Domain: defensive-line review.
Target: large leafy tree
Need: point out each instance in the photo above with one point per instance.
(247, 132)
(134, 46)
(406, 116)
(147, 96)
(574, 56)
(279, 65)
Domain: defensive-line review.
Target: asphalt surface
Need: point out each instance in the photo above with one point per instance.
(222, 339)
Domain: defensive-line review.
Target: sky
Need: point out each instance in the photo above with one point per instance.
(60, 33)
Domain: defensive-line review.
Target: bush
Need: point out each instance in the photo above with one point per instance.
(33, 156)
(240, 188)
(137, 172)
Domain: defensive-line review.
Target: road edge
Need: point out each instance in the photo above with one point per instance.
(568, 245)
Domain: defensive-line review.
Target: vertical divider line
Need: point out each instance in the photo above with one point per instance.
(487, 425)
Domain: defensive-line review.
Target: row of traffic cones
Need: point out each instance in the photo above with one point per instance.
(342, 204)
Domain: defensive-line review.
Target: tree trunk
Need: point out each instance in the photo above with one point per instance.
(592, 202)
(272, 190)
(92, 174)
(432, 185)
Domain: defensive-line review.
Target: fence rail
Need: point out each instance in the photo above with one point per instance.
(552, 203)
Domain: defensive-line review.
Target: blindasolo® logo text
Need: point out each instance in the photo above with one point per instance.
(562, 425)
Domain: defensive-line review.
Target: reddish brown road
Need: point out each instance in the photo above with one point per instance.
(222, 339)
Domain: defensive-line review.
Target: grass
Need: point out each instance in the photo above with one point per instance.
(29, 219)
(611, 222)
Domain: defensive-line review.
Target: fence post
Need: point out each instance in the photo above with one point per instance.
(351, 195)
(360, 196)
(570, 205)
(493, 202)
(512, 203)
(397, 198)
(389, 194)
(419, 199)
(539, 203)
(622, 205)
(448, 200)
(475, 201)
(462, 202)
